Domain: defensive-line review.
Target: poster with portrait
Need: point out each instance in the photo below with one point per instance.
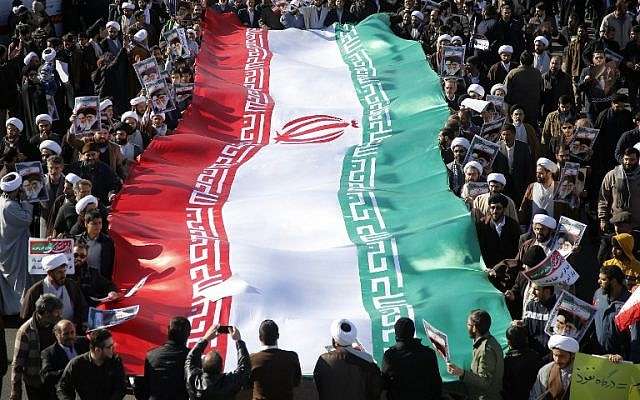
(100, 319)
(567, 236)
(183, 91)
(177, 42)
(570, 317)
(498, 104)
(567, 188)
(483, 151)
(582, 143)
(33, 179)
(147, 71)
(160, 96)
(38, 248)
(87, 115)
(491, 130)
(439, 340)
(452, 61)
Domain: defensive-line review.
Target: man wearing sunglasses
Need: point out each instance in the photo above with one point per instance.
(92, 283)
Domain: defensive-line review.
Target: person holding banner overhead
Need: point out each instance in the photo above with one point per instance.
(554, 379)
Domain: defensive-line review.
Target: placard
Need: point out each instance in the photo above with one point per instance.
(567, 236)
(38, 248)
(438, 339)
(33, 179)
(570, 317)
(177, 42)
(597, 378)
(147, 71)
(483, 151)
(100, 319)
(87, 115)
(452, 61)
(158, 93)
(582, 143)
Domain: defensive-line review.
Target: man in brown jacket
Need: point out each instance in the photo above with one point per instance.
(346, 372)
(109, 152)
(274, 372)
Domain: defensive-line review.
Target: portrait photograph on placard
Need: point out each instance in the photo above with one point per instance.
(452, 61)
(160, 96)
(147, 71)
(177, 42)
(87, 116)
(33, 179)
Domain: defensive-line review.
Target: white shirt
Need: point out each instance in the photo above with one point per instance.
(499, 225)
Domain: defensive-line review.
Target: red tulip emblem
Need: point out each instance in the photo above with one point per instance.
(313, 129)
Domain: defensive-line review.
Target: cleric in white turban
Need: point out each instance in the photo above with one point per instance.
(346, 352)
(547, 164)
(538, 198)
(554, 378)
(14, 123)
(83, 205)
(473, 165)
(543, 227)
(497, 183)
(545, 221)
(52, 147)
(460, 141)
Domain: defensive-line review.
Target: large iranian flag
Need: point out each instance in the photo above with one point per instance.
(307, 171)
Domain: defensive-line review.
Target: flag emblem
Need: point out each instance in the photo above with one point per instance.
(313, 129)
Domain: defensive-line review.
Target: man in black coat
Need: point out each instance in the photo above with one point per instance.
(103, 178)
(556, 83)
(520, 162)
(628, 139)
(250, 16)
(56, 357)
(164, 366)
(498, 234)
(410, 369)
(99, 257)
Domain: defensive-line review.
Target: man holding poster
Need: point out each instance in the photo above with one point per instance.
(410, 369)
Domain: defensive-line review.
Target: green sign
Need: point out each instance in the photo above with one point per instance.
(596, 378)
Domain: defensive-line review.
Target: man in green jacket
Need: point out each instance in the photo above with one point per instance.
(484, 380)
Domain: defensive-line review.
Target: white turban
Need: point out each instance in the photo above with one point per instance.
(460, 141)
(15, 122)
(505, 48)
(564, 343)
(140, 36)
(113, 24)
(544, 220)
(637, 146)
(48, 54)
(138, 100)
(547, 164)
(10, 182)
(542, 40)
(128, 5)
(29, 58)
(497, 86)
(418, 15)
(51, 145)
(105, 104)
(474, 87)
(496, 177)
(344, 337)
(53, 261)
(72, 178)
(44, 117)
(84, 202)
(457, 39)
(444, 37)
(129, 114)
(473, 164)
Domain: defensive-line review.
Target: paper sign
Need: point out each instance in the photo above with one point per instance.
(567, 236)
(439, 340)
(231, 287)
(597, 378)
(39, 248)
(33, 179)
(483, 151)
(63, 71)
(553, 270)
(570, 317)
(99, 319)
(87, 116)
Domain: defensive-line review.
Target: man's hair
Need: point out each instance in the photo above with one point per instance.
(47, 303)
(508, 127)
(55, 159)
(82, 182)
(482, 320)
(97, 338)
(57, 328)
(81, 245)
(619, 98)
(268, 332)
(613, 272)
(179, 330)
(91, 215)
(631, 151)
(212, 363)
(565, 99)
(121, 126)
(517, 337)
(526, 58)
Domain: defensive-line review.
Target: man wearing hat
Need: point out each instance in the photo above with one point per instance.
(538, 197)
(455, 169)
(65, 216)
(15, 217)
(417, 25)
(90, 167)
(554, 379)
(15, 146)
(498, 71)
(54, 183)
(346, 371)
(498, 234)
(541, 58)
(409, 368)
(127, 16)
(481, 207)
(44, 123)
(74, 305)
(136, 136)
(112, 43)
(622, 222)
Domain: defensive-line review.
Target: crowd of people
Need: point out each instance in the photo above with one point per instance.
(541, 139)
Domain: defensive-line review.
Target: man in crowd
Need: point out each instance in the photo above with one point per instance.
(519, 160)
(524, 87)
(539, 195)
(620, 190)
(274, 372)
(554, 378)
(35, 335)
(608, 300)
(92, 284)
(410, 369)
(536, 316)
(498, 233)
(484, 380)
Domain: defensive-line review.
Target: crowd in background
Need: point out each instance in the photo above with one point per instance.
(544, 128)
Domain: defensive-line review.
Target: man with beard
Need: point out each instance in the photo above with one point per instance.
(598, 81)
(620, 189)
(536, 314)
(451, 95)
(136, 136)
(315, 14)
(56, 357)
(109, 152)
(554, 379)
(628, 139)
(483, 380)
(498, 234)
(553, 121)
(519, 161)
(481, 205)
(541, 59)
(575, 60)
(555, 84)
(34, 101)
(129, 151)
(90, 280)
(43, 122)
(631, 67)
(608, 300)
(532, 252)
(417, 26)
(75, 188)
(106, 114)
(15, 142)
(455, 169)
(612, 122)
(511, 30)
(54, 184)
(112, 42)
(498, 71)
(32, 337)
(74, 305)
(104, 180)
(539, 195)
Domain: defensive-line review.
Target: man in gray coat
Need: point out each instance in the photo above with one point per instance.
(524, 87)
